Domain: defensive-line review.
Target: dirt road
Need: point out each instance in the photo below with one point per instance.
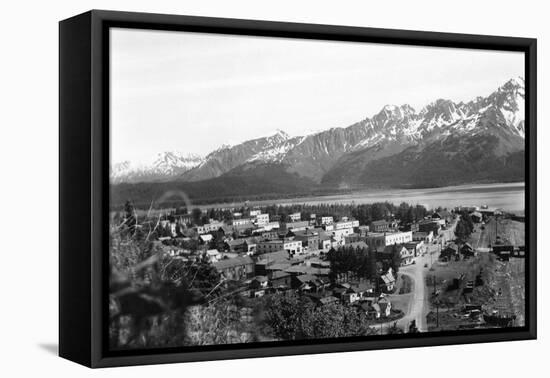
(418, 304)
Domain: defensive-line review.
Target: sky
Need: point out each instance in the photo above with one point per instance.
(193, 92)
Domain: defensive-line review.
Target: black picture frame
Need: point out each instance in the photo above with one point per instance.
(84, 184)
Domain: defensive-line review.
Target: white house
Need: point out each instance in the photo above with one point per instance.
(340, 234)
(242, 222)
(295, 217)
(407, 256)
(382, 308)
(380, 240)
(427, 236)
(346, 224)
(328, 227)
(290, 245)
(209, 227)
(262, 219)
(206, 238)
(325, 244)
(213, 255)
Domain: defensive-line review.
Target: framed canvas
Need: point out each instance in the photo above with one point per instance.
(236, 188)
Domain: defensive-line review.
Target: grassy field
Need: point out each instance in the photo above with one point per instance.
(508, 278)
(440, 280)
(513, 231)
(509, 282)
(502, 289)
(507, 229)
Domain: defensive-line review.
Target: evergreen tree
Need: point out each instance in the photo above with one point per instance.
(395, 258)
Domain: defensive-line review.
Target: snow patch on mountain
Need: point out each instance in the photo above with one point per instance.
(165, 164)
(395, 127)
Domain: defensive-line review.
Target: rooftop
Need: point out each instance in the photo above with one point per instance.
(279, 274)
(230, 263)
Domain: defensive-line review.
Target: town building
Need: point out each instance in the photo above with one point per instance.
(449, 252)
(325, 241)
(243, 230)
(417, 248)
(309, 238)
(317, 263)
(250, 245)
(340, 234)
(308, 283)
(235, 245)
(327, 220)
(476, 216)
(387, 281)
(357, 292)
(380, 226)
(363, 230)
(267, 259)
(280, 279)
(407, 256)
(443, 215)
(213, 255)
(299, 269)
(426, 236)
(205, 238)
(290, 245)
(268, 234)
(429, 225)
(328, 227)
(323, 300)
(296, 226)
(295, 217)
(236, 269)
(241, 222)
(271, 226)
(379, 240)
(262, 220)
(346, 224)
(410, 227)
(382, 307)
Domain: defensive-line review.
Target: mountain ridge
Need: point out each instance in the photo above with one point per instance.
(394, 129)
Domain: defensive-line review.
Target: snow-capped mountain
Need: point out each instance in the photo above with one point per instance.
(225, 158)
(445, 143)
(166, 165)
(397, 136)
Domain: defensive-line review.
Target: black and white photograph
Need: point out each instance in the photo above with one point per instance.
(278, 188)
(269, 189)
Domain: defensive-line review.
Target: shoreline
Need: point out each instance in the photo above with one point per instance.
(350, 197)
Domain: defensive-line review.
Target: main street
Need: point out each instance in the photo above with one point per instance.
(418, 305)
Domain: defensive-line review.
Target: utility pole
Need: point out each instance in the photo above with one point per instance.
(496, 227)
